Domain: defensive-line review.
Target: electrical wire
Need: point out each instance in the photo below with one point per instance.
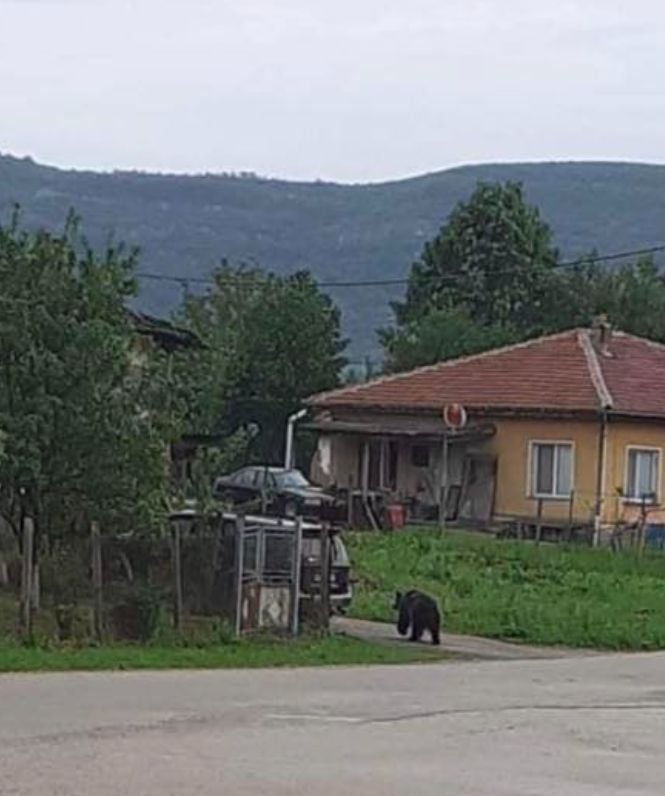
(184, 281)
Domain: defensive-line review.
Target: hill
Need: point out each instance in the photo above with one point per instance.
(186, 224)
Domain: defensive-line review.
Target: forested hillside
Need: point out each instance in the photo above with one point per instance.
(186, 224)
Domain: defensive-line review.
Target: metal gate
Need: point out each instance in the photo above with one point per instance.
(267, 574)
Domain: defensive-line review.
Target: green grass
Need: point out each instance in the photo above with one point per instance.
(245, 653)
(536, 594)
(203, 643)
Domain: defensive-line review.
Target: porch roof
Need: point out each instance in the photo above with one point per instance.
(414, 431)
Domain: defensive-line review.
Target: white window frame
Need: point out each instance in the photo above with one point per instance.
(531, 486)
(627, 498)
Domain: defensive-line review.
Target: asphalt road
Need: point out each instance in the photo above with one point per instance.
(583, 726)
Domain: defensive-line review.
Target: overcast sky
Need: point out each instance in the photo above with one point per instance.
(350, 90)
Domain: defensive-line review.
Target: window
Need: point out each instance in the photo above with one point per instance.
(420, 456)
(291, 479)
(243, 478)
(551, 469)
(642, 474)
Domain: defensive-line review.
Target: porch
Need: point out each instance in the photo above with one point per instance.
(434, 474)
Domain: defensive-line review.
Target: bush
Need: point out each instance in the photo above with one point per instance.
(135, 612)
(65, 584)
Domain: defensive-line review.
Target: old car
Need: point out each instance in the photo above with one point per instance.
(274, 490)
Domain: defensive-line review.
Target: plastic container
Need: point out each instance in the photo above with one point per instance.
(395, 515)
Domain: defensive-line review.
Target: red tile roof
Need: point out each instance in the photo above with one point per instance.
(562, 372)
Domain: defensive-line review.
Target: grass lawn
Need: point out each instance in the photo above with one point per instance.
(515, 590)
(246, 653)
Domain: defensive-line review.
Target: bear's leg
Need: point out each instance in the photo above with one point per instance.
(416, 629)
(403, 620)
(435, 633)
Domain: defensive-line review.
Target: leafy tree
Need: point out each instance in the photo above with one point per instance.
(270, 342)
(493, 257)
(438, 335)
(633, 298)
(84, 422)
(486, 279)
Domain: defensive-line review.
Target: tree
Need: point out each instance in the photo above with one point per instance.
(83, 426)
(438, 335)
(633, 298)
(484, 280)
(494, 257)
(270, 342)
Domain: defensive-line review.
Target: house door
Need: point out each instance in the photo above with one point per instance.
(377, 464)
(374, 475)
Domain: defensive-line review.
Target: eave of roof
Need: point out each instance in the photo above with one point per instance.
(164, 332)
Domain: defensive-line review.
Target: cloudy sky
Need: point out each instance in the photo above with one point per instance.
(350, 90)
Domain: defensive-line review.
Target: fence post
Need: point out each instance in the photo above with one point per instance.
(295, 606)
(571, 511)
(641, 538)
(325, 577)
(177, 575)
(239, 566)
(26, 578)
(97, 596)
(539, 521)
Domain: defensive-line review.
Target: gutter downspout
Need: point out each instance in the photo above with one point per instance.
(606, 405)
(600, 476)
(290, 429)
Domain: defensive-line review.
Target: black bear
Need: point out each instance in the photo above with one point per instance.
(420, 613)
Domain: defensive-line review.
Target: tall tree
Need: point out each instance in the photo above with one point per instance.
(270, 342)
(485, 277)
(83, 426)
(493, 256)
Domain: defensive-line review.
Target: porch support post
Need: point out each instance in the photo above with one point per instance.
(365, 469)
(382, 464)
(443, 492)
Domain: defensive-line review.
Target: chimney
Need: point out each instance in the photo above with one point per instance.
(601, 335)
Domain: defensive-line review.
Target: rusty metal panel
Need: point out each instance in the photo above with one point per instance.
(275, 608)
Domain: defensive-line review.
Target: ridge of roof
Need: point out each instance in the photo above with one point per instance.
(437, 366)
(595, 369)
(628, 336)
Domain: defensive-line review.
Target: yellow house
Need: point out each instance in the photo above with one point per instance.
(569, 428)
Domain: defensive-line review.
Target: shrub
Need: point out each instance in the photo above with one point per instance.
(65, 583)
(135, 612)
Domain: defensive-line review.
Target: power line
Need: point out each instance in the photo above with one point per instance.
(183, 281)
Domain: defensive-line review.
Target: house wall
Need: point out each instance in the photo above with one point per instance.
(511, 447)
(620, 437)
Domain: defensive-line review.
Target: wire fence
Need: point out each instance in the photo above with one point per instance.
(109, 588)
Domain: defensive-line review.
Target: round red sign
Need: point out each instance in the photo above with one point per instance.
(454, 416)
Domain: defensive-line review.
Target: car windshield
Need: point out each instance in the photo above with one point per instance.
(293, 479)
